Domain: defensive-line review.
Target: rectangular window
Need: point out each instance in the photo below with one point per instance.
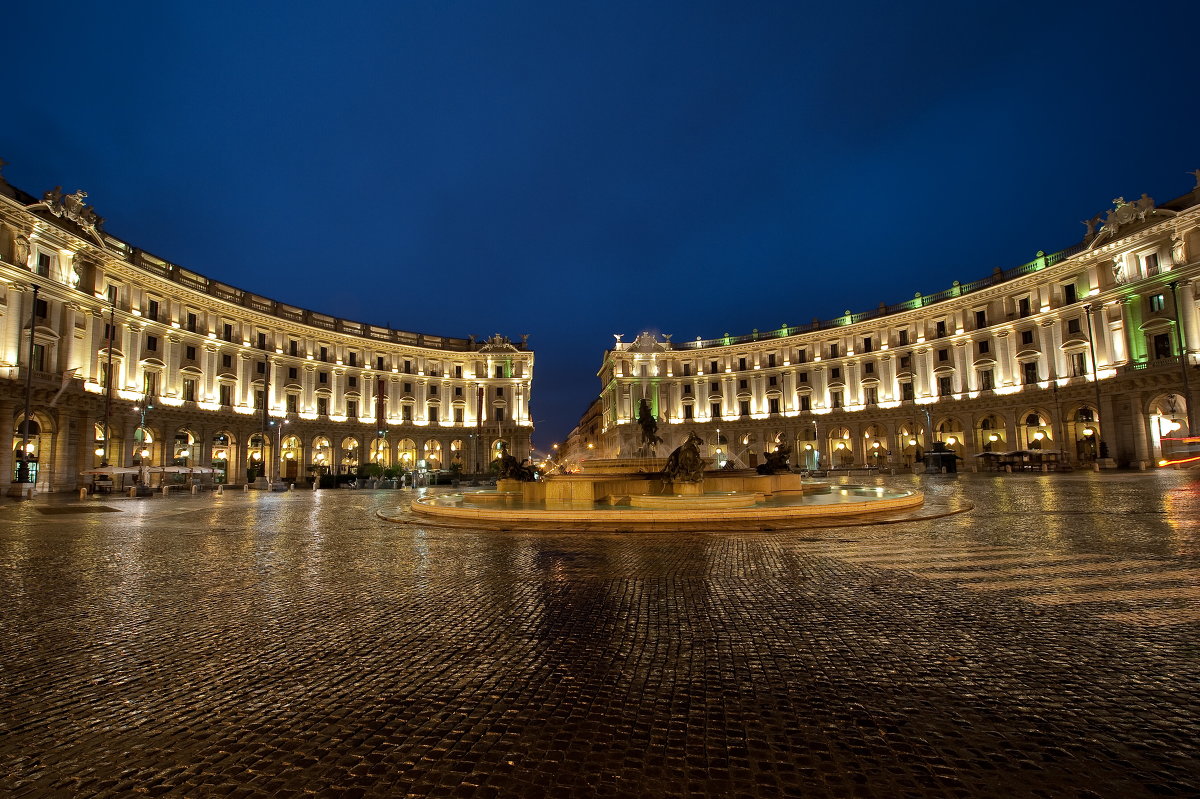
(42, 264)
(984, 347)
(293, 403)
(41, 309)
(260, 367)
(406, 413)
(772, 380)
(714, 410)
(500, 392)
(833, 350)
(1030, 372)
(109, 332)
(226, 361)
(744, 407)
(1026, 337)
(104, 372)
(905, 361)
(458, 391)
(227, 332)
(871, 395)
(903, 337)
(1023, 308)
(352, 408)
(499, 414)
(379, 363)
(110, 294)
(191, 322)
(980, 319)
(433, 390)
(293, 347)
(742, 384)
(835, 399)
(458, 371)
(802, 356)
(258, 400)
(152, 343)
(741, 364)
(189, 353)
(152, 310)
(1069, 296)
(687, 411)
(866, 344)
(714, 386)
(323, 378)
(943, 355)
(225, 394)
(869, 368)
(770, 359)
(1151, 262)
(804, 377)
(835, 374)
(500, 371)
(687, 390)
(189, 390)
(407, 367)
(806, 403)
(1073, 325)
(906, 391)
(353, 356)
(408, 388)
(324, 354)
(38, 363)
(262, 341)
(1078, 364)
(292, 372)
(150, 384)
(945, 387)
(323, 406)
(941, 328)
(985, 380)
(1157, 303)
(773, 405)
(1162, 346)
(352, 382)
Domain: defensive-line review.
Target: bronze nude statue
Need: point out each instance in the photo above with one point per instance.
(684, 465)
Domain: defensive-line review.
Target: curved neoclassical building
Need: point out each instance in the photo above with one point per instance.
(129, 360)
(1091, 351)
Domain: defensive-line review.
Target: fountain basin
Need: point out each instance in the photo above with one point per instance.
(848, 503)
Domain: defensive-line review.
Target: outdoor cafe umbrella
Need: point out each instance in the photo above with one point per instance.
(111, 470)
(183, 469)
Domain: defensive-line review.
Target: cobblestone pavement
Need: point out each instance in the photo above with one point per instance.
(1042, 645)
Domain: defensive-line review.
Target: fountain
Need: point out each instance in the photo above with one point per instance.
(642, 492)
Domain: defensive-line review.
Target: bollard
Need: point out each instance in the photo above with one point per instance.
(195, 489)
(245, 486)
(1095, 467)
(166, 490)
(315, 484)
(1008, 469)
(133, 491)
(83, 493)
(220, 490)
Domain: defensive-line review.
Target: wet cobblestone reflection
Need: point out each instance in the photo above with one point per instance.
(1042, 645)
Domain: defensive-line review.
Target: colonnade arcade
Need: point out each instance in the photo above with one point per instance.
(1069, 430)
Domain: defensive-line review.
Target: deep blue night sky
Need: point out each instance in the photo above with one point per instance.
(571, 171)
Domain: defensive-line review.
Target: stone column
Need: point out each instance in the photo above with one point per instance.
(1188, 315)
(1139, 423)
(8, 409)
(964, 375)
(14, 314)
(244, 395)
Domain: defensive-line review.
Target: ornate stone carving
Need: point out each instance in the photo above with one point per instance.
(72, 207)
(1179, 248)
(498, 343)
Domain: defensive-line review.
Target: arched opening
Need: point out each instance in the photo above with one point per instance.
(381, 452)
(292, 454)
(1036, 431)
(256, 458)
(321, 456)
(875, 445)
(1168, 428)
(222, 454)
(841, 448)
(183, 448)
(406, 451)
(433, 454)
(349, 461)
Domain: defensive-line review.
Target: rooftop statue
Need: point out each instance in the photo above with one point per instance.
(684, 465)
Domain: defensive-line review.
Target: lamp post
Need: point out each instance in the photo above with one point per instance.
(1087, 309)
(23, 465)
(1183, 360)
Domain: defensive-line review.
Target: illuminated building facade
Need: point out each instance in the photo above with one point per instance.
(181, 366)
(1006, 363)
